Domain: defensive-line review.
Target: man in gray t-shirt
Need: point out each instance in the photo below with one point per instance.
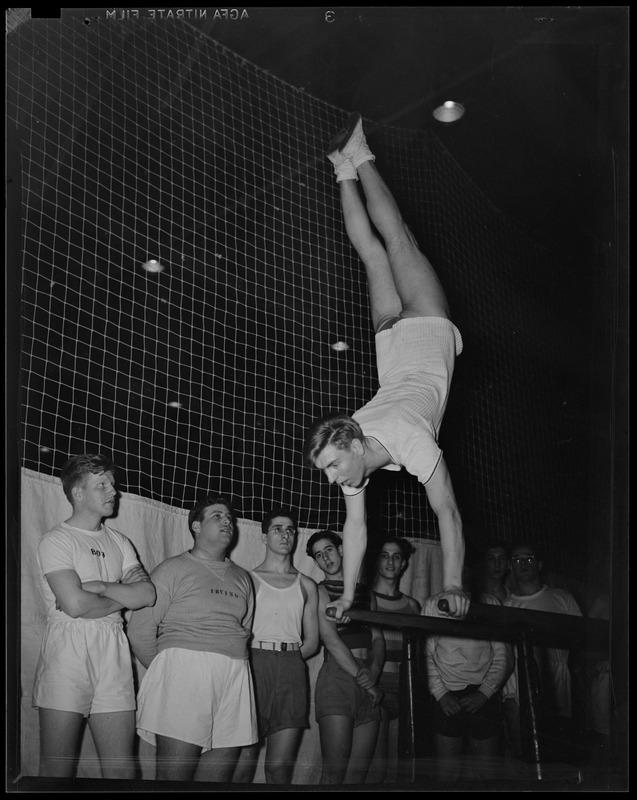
(195, 701)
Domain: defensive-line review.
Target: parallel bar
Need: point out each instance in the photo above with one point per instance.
(502, 623)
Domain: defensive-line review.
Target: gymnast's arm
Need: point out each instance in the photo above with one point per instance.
(443, 501)
(354, 546)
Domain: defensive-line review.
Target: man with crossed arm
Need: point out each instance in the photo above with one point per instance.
(90, 572)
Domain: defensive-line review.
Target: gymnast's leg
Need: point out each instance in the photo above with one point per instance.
(384, 301)
(415, 280)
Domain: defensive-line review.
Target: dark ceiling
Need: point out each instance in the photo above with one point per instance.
(544, 135)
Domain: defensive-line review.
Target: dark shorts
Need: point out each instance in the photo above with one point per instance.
(337, 693)
(389, 685)
(281, 690)
(484, 724)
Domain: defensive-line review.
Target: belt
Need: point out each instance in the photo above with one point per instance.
(277, 646)
(391, 666)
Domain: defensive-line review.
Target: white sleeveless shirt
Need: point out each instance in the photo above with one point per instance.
(278, 615)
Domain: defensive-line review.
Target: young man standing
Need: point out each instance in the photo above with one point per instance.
(284, 635)
(346, 697)
(492, 579)
(554, 676)
(90, 572)
(391, 562)
(196, 700)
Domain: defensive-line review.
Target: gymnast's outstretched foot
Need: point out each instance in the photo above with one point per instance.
(348, 149)
(351, 142)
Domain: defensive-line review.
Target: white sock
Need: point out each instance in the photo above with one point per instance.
(363, 155)
(345, 171)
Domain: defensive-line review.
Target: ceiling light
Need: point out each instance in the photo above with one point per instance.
(153, 265)
(449, 111)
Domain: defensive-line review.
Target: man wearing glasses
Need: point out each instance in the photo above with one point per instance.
(552, 663)
(284, 634)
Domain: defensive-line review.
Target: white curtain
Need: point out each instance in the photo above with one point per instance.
(159, 531)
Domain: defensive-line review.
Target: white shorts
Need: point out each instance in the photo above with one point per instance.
(84, 667)
(206, 699)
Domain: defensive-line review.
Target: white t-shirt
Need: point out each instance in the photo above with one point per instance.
(103, 555)
(554, 673)
(415, 360)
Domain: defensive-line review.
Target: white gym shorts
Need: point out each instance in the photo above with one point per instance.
(206, 699)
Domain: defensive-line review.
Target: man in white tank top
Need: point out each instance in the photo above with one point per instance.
(284, 634)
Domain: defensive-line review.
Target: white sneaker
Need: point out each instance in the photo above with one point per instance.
(351, 142)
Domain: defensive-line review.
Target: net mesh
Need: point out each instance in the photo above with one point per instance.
(153, 141)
